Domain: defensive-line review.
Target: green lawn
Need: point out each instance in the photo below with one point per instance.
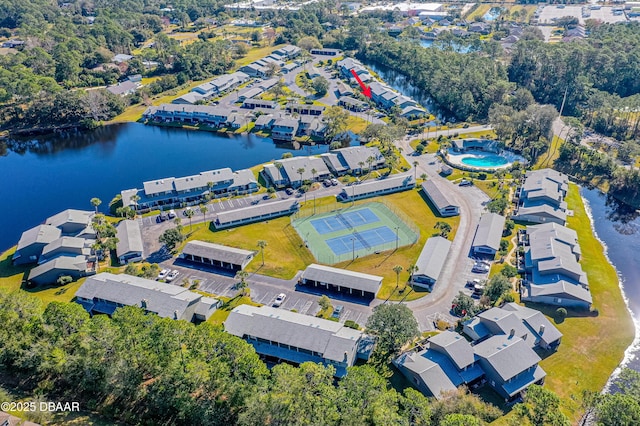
(220, 315)
(286, 254)
(550, 156)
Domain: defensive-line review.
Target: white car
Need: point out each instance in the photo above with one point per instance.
(172, 275)
(163, 274)
(172, 214)
(279, 300)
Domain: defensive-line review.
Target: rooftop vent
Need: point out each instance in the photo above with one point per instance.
(512, 333)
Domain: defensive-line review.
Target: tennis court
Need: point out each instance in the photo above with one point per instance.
(346, 233)
(361, 240)
(346, 220)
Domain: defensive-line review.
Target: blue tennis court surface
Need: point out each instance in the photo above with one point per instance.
(361, 240)
(346, 220)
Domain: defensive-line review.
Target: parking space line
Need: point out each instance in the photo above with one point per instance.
(306, 307)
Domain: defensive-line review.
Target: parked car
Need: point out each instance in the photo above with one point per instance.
(480, 268)
(172, 275)
(337, 311)
(289, 191)
(163, 274)
(334, 182)
(161, 218)
(465, 182)
(185, 211)
(172, 214)
(279, 300)
(326, 183)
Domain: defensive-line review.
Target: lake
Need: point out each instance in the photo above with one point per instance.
(618, 227)
(46, 175)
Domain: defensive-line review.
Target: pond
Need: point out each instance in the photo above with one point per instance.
(46, 175)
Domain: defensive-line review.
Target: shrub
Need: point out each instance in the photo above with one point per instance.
(508, 298)
(352, 324)
(64, 280)
(561, 313)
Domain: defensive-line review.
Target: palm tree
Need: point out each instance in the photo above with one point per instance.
(415, 170)
(361, 164)
(370, 161)
(210, 187)
(397, 269)
(413, 268)
(262, 244)
(242, 285)
(314, 172)
(204, 210)
(134, 199)
(301, 171)
(189, 213)
(95, 202)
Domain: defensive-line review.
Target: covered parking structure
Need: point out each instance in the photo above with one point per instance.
(217, 255)
(341, 281)
(257, 213)
(430, 262)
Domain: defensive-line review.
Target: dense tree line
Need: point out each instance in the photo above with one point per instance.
(142, 369)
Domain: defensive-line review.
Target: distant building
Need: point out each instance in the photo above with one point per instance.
(304, 109)
(541, 197)
(326, 52)
(488, 234)
(188, 99)
(71, 221)
(352, 104)
(342, 281)
(129, 247)
(430, 262)
(105, 292)
(69, 246)
(354, 159)
(121, 57)
(285, 172)
(72, 266)
(297, 338)
(441, 200)
(124, 88)
(217, 255)
(284, 129)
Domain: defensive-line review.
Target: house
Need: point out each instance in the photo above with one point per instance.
(294, 171)
(430, 262)
(129, 247)
(105, 292)
(446, 170)
(258, 103)
(288, 51)
(268, 84)
(69, 246)
(463, 145)
(311, 125)
(185, 113)
(284, 128)
(334, 280)
(552, 272)
(136, 78)
(121, 57)
(510, 365)
(440, 198)
(304, 109)
(32, 242)
(313, 72)
(352, 104)
(448, 361)
(480, 28)
(354, 159)
(124, 88)
(71, 221)
(190, 190)
(289, 68)
(255, 70)
(544, 333)
(488, 234)
(344, 90)
(377, 187)
(188, 99)
(297, 338)
(541, 197)
(73, 266)
(13, 44)
(217, 255)
(326, 52)
(264, 121)
(257, 213)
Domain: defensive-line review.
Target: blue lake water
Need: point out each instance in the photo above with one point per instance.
(456, 47)
(42, 177)
(492, 14)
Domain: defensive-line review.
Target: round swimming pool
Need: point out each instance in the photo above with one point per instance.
(486, 161)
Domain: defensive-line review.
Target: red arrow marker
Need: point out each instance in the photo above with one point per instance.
(366, 90)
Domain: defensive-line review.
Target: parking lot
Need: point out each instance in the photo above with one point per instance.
(549, 14)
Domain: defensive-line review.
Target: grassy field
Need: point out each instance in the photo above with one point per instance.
(592, 346)
(286, 254)
(550, 157)
(480, 11)
(220, 315)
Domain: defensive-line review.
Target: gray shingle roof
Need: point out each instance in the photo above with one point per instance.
(80, 217)
(68, 244)
(455, 347)
(331, 339)
(536, 321)
(432, 257)
(354, 155)
(508, 356)
(489, 231)
(61, 263)
(342, 278)
(430, 373)
(129, 238)
(219, 252)
(42, 234)
(441, 199)
(368, 187)
(562, 289)
(498, 320)
(164, 299)
(290, 167)
(256, 211)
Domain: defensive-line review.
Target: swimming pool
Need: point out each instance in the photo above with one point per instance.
(487, 161)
